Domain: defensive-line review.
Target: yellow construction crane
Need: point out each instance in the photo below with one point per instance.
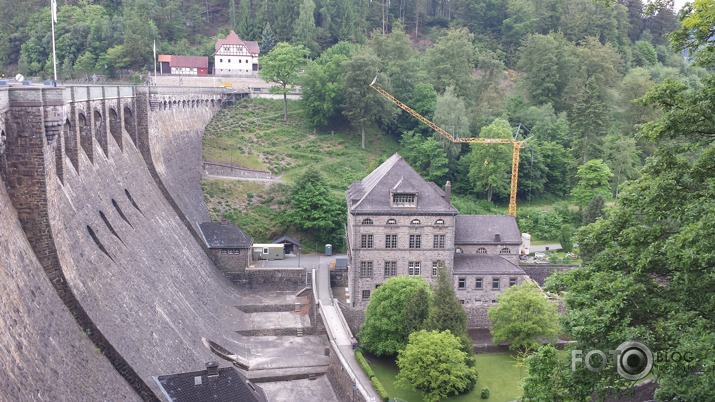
(516, 145)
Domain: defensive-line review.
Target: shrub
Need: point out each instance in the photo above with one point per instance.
(371, 375)
(485, 393)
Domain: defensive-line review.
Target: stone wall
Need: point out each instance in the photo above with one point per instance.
(539, 272)
(218, 169)
(477, 316)
(44, 355)
(354, 316)
(175, 145)
(341, 381)
(231, 263)
(34, 120)
(120, 258)
(270, 279)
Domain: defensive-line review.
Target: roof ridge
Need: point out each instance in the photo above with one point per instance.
(371, 180)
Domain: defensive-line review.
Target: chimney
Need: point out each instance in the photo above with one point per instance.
(448, 192)
(212, 369)
(497, 238)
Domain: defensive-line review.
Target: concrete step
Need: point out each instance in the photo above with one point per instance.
(284, 374)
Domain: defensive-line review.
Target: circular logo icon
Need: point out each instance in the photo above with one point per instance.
(635, 360)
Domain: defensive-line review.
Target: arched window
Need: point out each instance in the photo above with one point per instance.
(367, 221)
(391, 222)
(481, 250)
(439, 222)
(458, 250)
(505, 250)
(415, 222)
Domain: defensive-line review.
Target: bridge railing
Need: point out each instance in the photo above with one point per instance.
(76, 93)
(96, 92)
(184, 90)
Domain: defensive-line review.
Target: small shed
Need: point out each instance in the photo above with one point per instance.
(183, 65)
(229, 244)
(290, 245)
(268, 251)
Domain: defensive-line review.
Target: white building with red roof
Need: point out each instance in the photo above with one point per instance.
(235, 56)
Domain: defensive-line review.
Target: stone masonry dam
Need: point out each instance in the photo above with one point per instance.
(105, 281)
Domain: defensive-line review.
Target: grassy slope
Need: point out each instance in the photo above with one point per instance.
(497, 371)
(252, 134)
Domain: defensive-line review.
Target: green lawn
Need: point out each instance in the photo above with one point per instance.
(497, 371)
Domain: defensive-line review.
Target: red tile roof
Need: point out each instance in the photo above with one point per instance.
(233, 39)
(185, 61)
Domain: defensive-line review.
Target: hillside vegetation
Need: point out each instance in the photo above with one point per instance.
(252, 134)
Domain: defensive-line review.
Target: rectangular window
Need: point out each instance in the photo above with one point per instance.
(390, 268)
(438, 241)
(366, 269)
(365, 294)
(413, 268)
(391, 241)
(512, 281)
(462, 283)
(495, 283)
(415, 241)
(478, 284)
(435, 268)
(403, 200)
(366, 241)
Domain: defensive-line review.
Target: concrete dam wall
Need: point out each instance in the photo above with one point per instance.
(104, 284)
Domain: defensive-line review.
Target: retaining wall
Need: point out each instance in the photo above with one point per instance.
(217, 169)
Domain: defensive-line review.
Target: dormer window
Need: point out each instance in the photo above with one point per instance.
(367, 221)
(404, 200)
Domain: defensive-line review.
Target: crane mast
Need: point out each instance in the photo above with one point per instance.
(516, 145)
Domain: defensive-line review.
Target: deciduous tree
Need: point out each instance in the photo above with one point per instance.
(316, 209)
(490, 164)
(593, 179)
(362, 104)
(281, 66)
(425, 155)
(384, 332)
(524, 316)
(323, 83)
(433, 363)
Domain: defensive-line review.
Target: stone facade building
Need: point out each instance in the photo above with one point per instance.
(230, 246)
(399, 224)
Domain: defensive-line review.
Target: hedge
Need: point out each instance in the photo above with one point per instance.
(371, 375)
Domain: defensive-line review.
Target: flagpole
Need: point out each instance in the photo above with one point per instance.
(53, 7)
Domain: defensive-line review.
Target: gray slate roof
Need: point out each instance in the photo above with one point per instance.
(224, 235)
(484, 264)
(372, 195)
(286, 239)
(197, 386)
(480, 229)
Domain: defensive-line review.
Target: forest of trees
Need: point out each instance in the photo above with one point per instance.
(567, 72)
